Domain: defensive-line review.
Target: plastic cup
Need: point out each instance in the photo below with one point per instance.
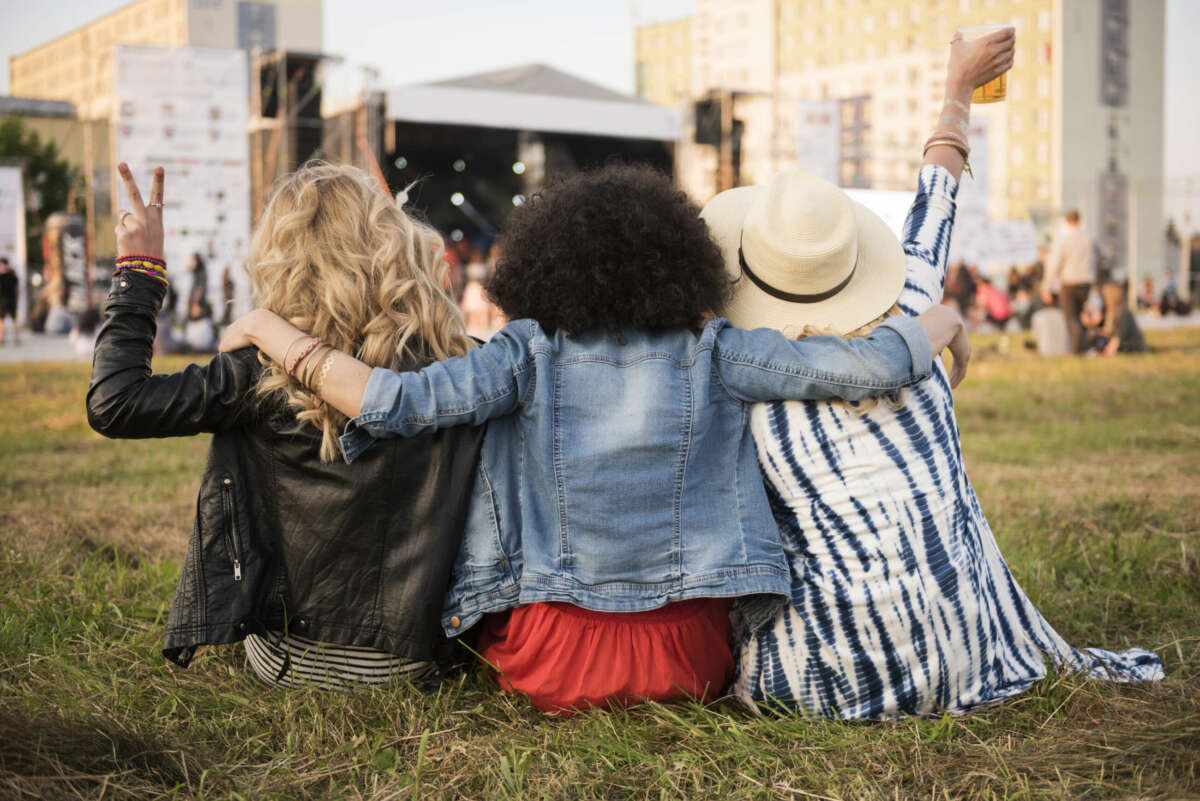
(996, 89)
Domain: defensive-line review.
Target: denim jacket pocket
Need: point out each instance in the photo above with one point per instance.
(481, 558)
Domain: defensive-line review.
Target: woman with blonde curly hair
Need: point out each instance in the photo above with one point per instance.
(332, 574)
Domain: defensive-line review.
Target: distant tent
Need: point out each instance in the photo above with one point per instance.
(533, 97)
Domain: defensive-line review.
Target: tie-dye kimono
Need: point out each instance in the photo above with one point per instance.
(900, 600)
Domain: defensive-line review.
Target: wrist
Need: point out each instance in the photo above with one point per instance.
(959, 89)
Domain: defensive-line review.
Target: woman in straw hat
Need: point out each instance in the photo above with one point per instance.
(900, 600)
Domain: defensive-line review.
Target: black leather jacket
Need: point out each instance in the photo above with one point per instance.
(356, 554)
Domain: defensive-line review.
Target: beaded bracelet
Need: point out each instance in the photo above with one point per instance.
(303, 355)
(146, 265)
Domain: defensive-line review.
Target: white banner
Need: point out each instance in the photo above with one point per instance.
(187, 110)
(818, 138)
(12, 230)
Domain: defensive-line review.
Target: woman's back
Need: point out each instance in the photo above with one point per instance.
(901, 602)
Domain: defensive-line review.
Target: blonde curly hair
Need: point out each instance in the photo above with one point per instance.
(335, 256)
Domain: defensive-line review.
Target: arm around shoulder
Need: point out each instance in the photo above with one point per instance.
(488, 381)
(763, 365)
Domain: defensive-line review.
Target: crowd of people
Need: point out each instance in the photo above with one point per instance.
(1068, 302)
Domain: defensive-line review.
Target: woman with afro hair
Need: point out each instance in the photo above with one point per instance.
(618, 506)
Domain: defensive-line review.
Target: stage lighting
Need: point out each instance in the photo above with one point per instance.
(400, 162)
(457, 199)
(518, 200)
(459, 165)
(519, 167)
(456, 235)
(402, 196)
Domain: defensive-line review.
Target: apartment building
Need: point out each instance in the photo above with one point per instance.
(1082, 125)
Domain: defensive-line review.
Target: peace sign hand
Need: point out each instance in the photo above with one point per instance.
(140, 230)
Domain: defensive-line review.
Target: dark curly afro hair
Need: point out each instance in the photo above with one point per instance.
(617, 247)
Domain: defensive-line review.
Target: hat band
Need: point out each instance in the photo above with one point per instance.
(789, 296)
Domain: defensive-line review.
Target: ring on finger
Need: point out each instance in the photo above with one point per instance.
(154, 205)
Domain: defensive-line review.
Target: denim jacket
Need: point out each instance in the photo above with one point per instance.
(618, 473)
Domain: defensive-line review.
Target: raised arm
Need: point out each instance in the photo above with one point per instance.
(931, 218)
(125, 399)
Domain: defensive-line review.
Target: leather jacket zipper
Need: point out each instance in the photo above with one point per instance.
(231, 530)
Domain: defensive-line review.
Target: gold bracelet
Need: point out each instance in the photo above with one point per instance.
(310, 363)
(319, 385)
(964, 152)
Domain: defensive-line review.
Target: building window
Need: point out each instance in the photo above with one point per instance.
(868, 24)
(914, 13)
(1043, 85)
(1043, 153)
(1043, 20)
(1017, 156)
(1043, 120)
(1015, 123)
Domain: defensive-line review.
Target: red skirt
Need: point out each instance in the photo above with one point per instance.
(568, 658)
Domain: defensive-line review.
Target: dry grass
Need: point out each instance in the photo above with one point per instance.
(1089, 473)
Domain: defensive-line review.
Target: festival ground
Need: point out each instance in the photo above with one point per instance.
(1088, 469)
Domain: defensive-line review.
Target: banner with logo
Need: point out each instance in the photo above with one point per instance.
(187, 110)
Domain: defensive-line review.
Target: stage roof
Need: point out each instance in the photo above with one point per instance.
(534, 97)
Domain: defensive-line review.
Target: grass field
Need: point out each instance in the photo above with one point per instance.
(1089, 471)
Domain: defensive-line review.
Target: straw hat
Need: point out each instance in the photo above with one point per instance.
(803, 253)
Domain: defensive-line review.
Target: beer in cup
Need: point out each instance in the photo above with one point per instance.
(996, 89)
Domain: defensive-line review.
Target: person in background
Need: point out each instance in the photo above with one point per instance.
(198, 293)
(199, 333)
(164, 337)
(1146, 299)
(83, 335)
(482, 316)
(1070, 273)
(994, 302)
(1171, 302)
(1051, 334)
(228, 293)
(10, 291)
(1120, 328)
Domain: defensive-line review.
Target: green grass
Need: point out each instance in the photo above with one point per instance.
(1089, 471)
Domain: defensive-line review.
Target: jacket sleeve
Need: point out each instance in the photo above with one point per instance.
(126, 401)
(764, 365)
(489, 381)
(927, 240)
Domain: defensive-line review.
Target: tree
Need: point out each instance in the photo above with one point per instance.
(49, 180)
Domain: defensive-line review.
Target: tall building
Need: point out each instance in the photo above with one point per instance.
(1082, 125)
(78, 67)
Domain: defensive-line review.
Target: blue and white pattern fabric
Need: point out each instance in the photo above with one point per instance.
(901, 602)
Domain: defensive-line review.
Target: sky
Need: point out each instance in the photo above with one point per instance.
(419, 41)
